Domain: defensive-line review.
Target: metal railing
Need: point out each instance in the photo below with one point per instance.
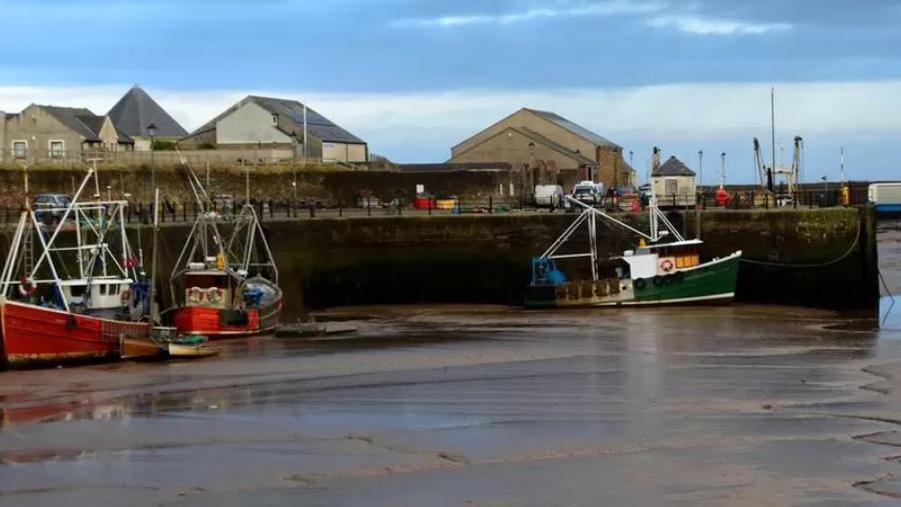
(282, 209)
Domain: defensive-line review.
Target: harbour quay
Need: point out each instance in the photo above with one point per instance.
(824, 258)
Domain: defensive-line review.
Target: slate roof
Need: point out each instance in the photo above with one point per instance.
(673, 167)
(136, 110)
(574, 128)
(78, 119)
(291, 110)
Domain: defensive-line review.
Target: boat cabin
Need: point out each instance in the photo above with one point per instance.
(663, 259)
(208, 288)
(105, 293)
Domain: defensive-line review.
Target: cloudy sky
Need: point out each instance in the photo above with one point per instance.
(415, 77)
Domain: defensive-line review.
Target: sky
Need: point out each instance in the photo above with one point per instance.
(415, 77)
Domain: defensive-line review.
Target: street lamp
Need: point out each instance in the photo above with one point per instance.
(151, 130)
(701, 167)
(723, 171)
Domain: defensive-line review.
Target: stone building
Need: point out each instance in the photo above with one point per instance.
(547, 145)
(673, 183)
(58, 134)
(136, 112)
(279, 125)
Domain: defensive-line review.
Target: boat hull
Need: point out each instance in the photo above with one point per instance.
(712, 282)
(220, 324)
(34, 335)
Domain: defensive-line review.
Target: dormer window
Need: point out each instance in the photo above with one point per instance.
(274, 119)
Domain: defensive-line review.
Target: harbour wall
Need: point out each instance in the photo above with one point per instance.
(323, 184)
(822, 258)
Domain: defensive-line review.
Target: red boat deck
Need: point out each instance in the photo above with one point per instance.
(36, 334)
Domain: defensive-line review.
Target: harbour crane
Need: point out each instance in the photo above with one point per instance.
(764, 173)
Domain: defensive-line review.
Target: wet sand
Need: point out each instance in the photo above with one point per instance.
(740, 405)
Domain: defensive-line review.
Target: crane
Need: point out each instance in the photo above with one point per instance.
(764, 173)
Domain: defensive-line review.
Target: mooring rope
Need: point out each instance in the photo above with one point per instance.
(817, 265)
(887, 290)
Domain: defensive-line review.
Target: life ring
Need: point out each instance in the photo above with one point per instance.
(658, 281)
(125, 297)
(27, 287)
(666, 265)
(640, 284)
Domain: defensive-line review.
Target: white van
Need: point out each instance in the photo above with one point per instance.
(548, 195)
(589, 192)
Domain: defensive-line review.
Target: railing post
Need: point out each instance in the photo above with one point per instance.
(429, 206)
(340, 208)
(184, 212)
(368, 207)
(490, 204)
(312, 211)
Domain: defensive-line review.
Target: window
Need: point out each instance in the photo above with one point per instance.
(671, 186)
(274, 119)
(20, 149)
(57, 150)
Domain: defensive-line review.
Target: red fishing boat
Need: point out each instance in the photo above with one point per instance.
(225, 281)
(46, 317)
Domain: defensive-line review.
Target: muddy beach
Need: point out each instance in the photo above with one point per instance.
(482, 405)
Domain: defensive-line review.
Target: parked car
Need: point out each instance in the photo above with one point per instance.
(589, 192)
(368, 202)
(644, 194)
(49, 208)
(223, 202)
(548, 195)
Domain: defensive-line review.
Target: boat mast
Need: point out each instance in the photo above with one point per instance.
(154, 308)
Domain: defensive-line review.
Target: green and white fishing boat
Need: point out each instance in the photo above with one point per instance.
(654, 273)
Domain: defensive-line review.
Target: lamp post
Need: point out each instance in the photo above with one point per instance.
(701, 166)
(723, 171)
(151, 131)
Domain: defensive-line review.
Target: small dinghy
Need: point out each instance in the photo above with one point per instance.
(192, 346)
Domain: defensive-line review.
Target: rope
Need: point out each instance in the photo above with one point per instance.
(817, 265)
(885, 286)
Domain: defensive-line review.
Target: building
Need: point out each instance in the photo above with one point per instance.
(50, 133)
(673, 183)
(542, 139)
(279, 125)
(134, 115)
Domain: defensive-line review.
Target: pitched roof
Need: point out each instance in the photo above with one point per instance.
(77, 119)
(535, 136)
(673, 167)
(136, 110)
(574, 128)
(292, 111)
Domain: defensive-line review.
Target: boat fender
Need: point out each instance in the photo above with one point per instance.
(679, 277)
(669, 279)
(27, 287)
(658, 281)
(640, 284)
(666, 265)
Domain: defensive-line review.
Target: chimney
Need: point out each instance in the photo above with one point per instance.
(655, 159)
